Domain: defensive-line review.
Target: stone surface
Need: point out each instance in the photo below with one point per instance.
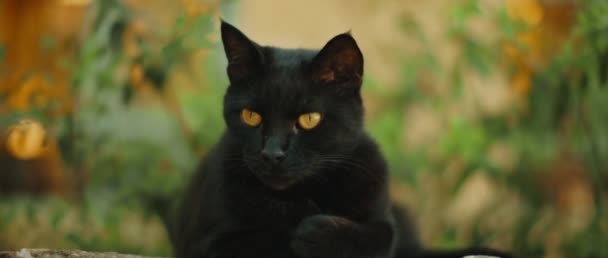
(47, 253)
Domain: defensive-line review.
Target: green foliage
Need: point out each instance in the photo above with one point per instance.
(571, 88)
(130, 160)
(589, 242)
(203, 111)
(95, 226)
(476, 54)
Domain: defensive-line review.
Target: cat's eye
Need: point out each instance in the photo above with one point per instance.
(251, 118)
(309, 120)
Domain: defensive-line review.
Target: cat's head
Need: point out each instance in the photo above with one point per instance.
(295, 112)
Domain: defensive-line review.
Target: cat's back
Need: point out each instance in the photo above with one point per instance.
(203, 190)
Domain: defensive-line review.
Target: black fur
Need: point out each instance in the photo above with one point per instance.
(327, 198)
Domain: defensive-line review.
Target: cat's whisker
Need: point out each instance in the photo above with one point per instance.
(343, 162)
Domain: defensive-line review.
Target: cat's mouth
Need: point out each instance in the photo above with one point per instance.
(278, 182)
(276, 177)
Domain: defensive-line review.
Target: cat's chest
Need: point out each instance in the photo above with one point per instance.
(264, 208)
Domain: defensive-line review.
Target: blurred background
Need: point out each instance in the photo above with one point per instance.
(492, 114)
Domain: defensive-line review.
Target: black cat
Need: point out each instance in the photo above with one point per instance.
(295, 174)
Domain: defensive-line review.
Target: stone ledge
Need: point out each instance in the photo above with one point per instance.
(48, 253)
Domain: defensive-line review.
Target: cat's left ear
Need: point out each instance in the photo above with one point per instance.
(340, 61)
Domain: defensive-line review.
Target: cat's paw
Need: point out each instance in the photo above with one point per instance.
(319, 236)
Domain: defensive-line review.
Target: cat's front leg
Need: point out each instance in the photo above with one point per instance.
(326, 236)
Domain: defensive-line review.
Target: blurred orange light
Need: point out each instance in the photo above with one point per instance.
(26, 140)
(76, 2)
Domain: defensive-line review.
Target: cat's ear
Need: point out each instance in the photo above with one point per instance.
(244, 56)
(339, 61)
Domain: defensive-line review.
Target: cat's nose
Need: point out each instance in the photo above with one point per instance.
(273, 156)
(273, 150)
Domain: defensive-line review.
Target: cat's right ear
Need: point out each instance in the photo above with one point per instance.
(244, 56)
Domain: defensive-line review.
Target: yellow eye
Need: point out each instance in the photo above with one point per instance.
(251, 118)
(309, 120)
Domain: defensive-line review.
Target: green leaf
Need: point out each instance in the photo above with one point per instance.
(8, 216)
(57, 216)
(477, 56)
(48, 42)
(180, 22)
(449, 239)
(157, 76)
(468, 172)
(478, 237)
(76, 239)
(127, 94)
(2, 53)
(31, 211)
